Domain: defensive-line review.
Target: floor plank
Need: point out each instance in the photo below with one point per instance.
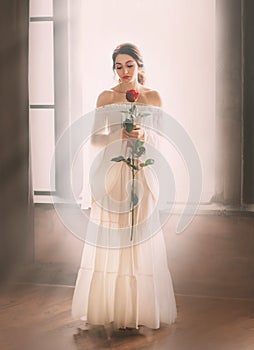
(38, 317)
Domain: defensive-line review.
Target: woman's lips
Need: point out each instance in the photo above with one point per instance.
(126, 77)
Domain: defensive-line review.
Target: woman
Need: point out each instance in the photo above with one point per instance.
(128, 64)
(124, 283)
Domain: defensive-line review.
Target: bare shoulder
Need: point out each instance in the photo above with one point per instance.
(105, 98)
(153, 97)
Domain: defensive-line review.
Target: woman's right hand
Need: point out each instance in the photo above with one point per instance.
(137, 133)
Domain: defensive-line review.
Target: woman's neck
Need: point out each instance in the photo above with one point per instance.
(123, 87)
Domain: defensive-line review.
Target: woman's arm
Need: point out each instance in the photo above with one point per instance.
(105, 98)
(98, 137)
(154, 98)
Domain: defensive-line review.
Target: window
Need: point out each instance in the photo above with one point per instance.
(41, 92)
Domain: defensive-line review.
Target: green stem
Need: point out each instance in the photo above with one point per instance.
(132, 195)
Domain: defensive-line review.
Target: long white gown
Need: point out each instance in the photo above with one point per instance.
(122, 282)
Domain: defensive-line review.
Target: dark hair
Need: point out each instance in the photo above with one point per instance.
(133, 51)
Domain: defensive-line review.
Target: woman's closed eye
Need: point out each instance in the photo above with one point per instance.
(128, 65)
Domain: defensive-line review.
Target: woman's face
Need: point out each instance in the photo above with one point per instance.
(126, 68)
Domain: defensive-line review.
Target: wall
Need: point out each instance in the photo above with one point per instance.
(248, 102)
(16, 239)
(229, 102)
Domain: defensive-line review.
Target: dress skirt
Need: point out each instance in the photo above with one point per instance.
(122, 281)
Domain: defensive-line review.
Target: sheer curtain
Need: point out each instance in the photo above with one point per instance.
(176, 39)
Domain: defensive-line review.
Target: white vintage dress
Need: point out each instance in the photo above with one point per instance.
(120, 281)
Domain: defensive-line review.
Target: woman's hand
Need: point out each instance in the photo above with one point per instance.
(137, 133)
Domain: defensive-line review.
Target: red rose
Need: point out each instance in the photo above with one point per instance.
(131, 95)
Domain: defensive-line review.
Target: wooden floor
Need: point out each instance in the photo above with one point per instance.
(38, 317)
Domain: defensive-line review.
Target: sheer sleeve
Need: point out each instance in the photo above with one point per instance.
(105, 129)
